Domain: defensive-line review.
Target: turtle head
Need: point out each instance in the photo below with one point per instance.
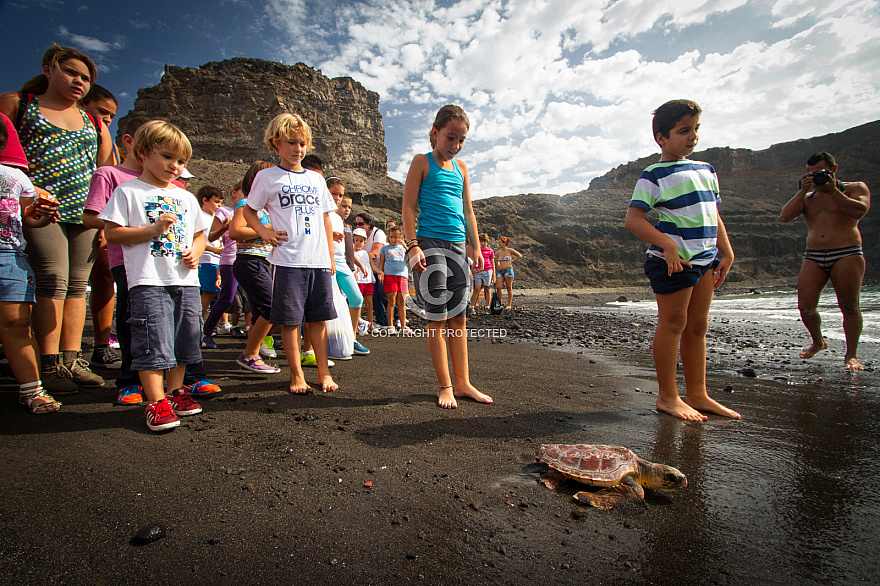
(663, 477)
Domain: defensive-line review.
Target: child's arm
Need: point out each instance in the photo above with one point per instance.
(381, 273)
(638, 225)
(190, 257)
(376, 270)
(723, 243)
(470, 220)
(328, 228)
(218, 228)
(418, 170)
(359, 265)
(43, 214)
(238, 226)
(275, 238)
(117, 234)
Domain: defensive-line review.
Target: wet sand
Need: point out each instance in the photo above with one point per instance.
(375, 483)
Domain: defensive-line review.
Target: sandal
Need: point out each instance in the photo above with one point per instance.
(27, 398)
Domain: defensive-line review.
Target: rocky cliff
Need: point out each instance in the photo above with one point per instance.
(223, 107)
(573, 240)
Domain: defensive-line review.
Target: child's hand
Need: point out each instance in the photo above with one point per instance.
(674, 263)
(338, 236)
(276, 237)
(381, 277)
(163, 224)
(187, 258)
(720, 272)
(417, 260)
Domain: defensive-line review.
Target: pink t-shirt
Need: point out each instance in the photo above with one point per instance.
(104, 181)
(229, 250)
(488, 255)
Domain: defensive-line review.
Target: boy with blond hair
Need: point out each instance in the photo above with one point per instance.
(301, 236)
(161, 230)
(689, 240)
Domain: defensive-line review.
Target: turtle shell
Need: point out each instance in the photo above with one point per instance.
(591, 464)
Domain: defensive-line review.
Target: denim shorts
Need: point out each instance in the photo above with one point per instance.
(302, 295)
(208, 278)
(16, 278)
(663, 283)
(504, 273)
(166, 326)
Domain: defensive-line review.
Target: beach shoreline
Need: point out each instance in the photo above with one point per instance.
(375, 483)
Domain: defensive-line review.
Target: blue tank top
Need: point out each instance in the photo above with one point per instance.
(441, 207)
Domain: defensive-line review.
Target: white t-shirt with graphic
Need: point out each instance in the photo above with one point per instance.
(14, 185)
(364, 257)
(208, 257)
(156, 261)
(296, 202)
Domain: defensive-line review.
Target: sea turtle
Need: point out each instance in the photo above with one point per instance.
(616, 468)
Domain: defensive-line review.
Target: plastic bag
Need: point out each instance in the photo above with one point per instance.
(340, 335)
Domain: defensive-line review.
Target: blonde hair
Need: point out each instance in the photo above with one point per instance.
(444, 115)
(284, 126)
(160, 134)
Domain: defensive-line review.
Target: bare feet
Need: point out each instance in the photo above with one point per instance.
(854, 364)
(709, 404)
(468, 390)
(814, 349)
(299, 386)
(446, 398)
(680, 409)
(327, 384)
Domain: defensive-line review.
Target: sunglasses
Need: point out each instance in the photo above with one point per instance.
(360, 224)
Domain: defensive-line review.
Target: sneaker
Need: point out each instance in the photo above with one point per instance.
(308, 359)
(360, 349)
(160, 416)
(79, 369)
(209, 343)
(267, 348)
(183, 403)
(391, 330)
(412, 306)
(256, 365)
(104, 356)
(237, 332)
(130, 395)
(223, 329)
(341, 357)
(113, 343)
(364, 327)
(202, 388)
(279, 345)
(407, 332)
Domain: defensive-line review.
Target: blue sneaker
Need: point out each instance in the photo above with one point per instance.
(202, 388)
(360, 349)
(130, 395)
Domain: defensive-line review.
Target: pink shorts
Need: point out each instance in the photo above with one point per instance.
(394, 283)
(366, 288)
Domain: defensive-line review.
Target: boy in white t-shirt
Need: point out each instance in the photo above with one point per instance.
(301, 236)
(161, 230)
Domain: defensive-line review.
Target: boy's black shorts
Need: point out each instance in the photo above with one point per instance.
(662, 283)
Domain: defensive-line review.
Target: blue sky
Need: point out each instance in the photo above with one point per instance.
(558, 91)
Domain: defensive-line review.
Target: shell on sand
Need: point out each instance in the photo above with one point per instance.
(596, 465)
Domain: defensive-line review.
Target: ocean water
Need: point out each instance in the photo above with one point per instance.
(780, 307)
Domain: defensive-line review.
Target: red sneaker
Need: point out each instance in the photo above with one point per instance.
(160, 416)
(183, 403)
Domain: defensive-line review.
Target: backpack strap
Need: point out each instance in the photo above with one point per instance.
(25, 99)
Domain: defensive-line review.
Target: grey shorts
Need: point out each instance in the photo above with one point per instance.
(166, 326)
(444, 283)
(483, 278)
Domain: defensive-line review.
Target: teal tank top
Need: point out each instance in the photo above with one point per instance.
(441, 204)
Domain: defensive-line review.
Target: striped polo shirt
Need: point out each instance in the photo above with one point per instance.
(685, 193)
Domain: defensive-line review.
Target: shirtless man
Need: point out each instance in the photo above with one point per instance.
(832, 210)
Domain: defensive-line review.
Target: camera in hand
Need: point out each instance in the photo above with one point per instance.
(822, 176)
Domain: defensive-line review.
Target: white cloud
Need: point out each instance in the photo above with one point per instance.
(90, 44)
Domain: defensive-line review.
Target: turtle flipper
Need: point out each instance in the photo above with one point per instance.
(608, 497)
(552, 479)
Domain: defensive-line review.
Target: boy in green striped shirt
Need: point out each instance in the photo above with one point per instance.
(689, 257)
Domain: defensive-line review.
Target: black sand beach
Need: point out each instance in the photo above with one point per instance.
(374, 483)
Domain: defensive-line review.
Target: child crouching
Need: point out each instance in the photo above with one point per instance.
(161, 230)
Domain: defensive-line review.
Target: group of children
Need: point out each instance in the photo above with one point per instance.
(288, 226)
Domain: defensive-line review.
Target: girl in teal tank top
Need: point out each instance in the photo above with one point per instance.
(439, 186)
